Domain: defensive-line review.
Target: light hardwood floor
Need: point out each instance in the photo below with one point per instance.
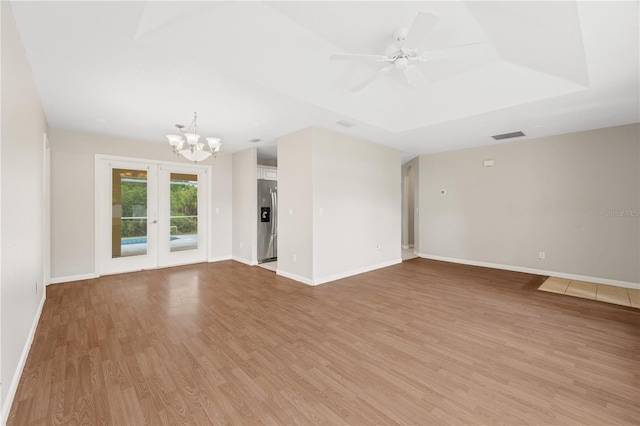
(422, 342)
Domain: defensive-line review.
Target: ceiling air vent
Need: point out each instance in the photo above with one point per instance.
(508, 135)
(345, 123)
(255, 140)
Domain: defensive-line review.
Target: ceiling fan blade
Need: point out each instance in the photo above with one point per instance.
(422, 25)
(451, 52)
(406, 74)
(357, 57)
(371, 79)
(438, 70)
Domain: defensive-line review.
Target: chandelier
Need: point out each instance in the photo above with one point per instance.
(193, 150)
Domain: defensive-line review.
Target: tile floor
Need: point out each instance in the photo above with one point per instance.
(272, 266)
(599, 292)
(408, 254)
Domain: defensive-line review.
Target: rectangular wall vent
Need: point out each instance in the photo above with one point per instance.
(508, 135)
(345, 123)
(255, 140)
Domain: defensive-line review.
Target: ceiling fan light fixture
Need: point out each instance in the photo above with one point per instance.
(392, 50)
(400, 34)
(401, 63)
(403, 50)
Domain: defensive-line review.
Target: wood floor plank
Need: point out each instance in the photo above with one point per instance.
(422, 342)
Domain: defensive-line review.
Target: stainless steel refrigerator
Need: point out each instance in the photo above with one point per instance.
(267, 220)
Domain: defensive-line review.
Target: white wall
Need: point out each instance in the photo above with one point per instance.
(22, 200)
(295, 205)
(245, 206)
(357, 200)
(222, 205)
(73, 194)
(345, 197)
(573, 196)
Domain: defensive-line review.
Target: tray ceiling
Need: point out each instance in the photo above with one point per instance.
(262, 69)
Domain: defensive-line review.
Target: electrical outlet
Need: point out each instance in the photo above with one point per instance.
(378, 248)
(36, 287)
(241, 245)
(541, 255)
(294, 258)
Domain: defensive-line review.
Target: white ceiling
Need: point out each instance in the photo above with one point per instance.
(262, 69)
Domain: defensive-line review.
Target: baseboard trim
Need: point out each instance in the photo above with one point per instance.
(534, 271)
(329, 278)
(70, 278)
(219, 258)
(358, 271)
(245, 261)
(15, 380)
(294, 277)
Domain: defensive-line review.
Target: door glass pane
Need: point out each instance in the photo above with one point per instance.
(183, 232)
(129, 213)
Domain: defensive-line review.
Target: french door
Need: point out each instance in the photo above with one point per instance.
(149, 214)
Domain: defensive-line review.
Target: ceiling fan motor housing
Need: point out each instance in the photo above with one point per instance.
(401, 63)
(393, 51)
(401, 34)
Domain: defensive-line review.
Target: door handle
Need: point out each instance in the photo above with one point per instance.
(154, 221)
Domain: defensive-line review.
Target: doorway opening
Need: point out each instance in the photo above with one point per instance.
(267, 214)
(408, 213)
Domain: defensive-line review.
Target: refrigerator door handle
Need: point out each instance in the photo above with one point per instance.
(274, 213)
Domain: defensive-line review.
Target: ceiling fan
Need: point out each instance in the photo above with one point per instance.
(401, 58)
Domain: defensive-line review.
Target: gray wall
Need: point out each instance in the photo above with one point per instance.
(73, 196)
(573, 196)
(22, 227)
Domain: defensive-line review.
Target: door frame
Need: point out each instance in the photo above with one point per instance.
(100, 216)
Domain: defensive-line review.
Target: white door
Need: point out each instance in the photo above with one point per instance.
(182, 223)
(149, 215)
